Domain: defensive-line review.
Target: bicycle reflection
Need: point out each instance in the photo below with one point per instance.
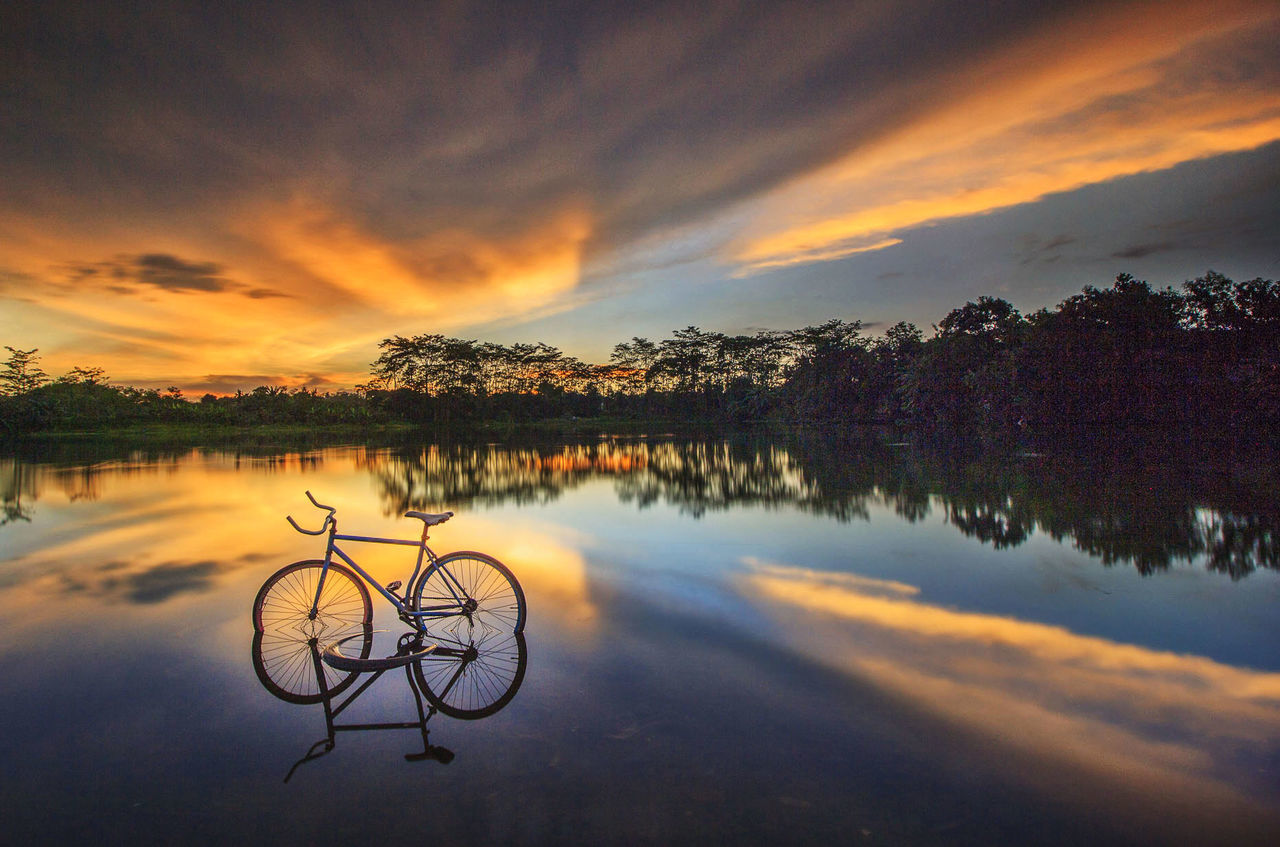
(461, 670)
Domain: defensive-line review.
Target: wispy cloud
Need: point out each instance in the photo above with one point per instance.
(163, 271)
(1066, 698)
(1076, 104)
(281, 199)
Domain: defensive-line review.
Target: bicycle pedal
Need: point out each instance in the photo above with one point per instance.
(392, 586)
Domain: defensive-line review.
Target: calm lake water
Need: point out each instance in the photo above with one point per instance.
(730, 639)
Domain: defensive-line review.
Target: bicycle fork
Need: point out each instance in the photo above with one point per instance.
(324, 571)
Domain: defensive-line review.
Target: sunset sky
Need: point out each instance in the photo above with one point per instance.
(219, 196)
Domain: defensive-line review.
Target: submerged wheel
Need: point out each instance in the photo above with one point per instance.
(287, 640)
(471, 679)
(477, 586)
(284, 601)
(285, 663)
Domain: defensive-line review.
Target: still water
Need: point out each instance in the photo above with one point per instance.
(737, 639)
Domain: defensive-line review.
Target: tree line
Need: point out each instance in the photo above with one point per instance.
(1123, 355)
(1127, 354)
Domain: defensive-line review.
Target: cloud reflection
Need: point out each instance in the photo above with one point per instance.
(1119, 712)
(150, 584)
(552, 572)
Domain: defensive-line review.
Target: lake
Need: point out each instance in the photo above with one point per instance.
(741, 639)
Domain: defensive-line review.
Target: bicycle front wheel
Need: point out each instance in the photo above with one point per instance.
(289, 666)
(284, 601)
(475, 586)
(287, 639)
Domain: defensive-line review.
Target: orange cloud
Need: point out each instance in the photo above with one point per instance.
(453, 275)
(298, 290)
(1080, 103)
(1124, 713)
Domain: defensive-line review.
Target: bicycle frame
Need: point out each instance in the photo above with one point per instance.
(332, 711)
(413, 616)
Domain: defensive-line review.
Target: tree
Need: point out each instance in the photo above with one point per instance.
(21, 372)
(1112, 355)
(83, 376)
(827, 378)
(964, 375)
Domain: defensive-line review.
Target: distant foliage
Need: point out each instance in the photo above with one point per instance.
(20, 373)
(1124, 355)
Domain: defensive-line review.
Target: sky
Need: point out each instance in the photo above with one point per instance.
(220, 196)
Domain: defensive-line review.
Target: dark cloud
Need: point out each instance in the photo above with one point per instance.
(1139, 251)
(173, 274)
(1047, 253)
(127, 274)
(131, 275)
(437, 115)
(264, 293)
(119, 581)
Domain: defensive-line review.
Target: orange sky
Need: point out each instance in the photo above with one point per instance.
(236, 213)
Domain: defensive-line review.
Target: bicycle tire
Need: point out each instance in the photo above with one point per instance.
(285, 666)
(497, 592)
(284, 600)
(284, 630)
(472, 686)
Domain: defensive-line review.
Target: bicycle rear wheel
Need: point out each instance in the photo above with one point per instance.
(475, 586)
(472, 679)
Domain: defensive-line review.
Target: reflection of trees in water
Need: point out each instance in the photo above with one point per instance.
(1149, 505)
(81, 477)
(698, 477)
(1145, 507)
(1127, 504)
(428, 477)
(694, 476)
(18, 490)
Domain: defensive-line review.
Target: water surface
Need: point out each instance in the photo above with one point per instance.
(734, 638)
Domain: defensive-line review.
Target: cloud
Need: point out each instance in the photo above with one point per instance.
(172, 273)
(1066, 698)
(1139, 251)
(453, 275)
(1076, 104)
(163, 271)
(264, 293)
(287, 199)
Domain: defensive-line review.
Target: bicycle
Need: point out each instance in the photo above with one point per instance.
(326, 598)
(465, 681)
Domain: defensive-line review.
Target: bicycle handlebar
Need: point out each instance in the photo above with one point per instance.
(324, 526)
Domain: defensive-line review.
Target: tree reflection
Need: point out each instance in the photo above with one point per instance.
(17, 491)
(1150, 505)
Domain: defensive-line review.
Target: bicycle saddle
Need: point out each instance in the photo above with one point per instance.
(429, 519)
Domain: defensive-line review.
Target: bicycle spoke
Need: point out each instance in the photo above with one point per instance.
(287, 635)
